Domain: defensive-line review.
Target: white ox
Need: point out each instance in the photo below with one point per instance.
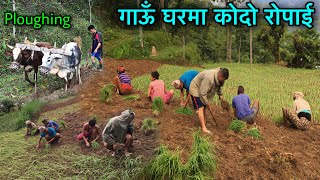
(62, 65)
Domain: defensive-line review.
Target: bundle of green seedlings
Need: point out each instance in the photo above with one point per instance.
(63, 124)
(95, 145)
(254, 132)
(237, 126)
(157, 106)
(106, 92)
(131, 98)
(184, 110)
(202, 162)
(149, 126)
(166, 165)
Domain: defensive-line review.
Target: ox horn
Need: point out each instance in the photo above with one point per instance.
(35, 40)
(11, 47)
(26, 39)
(55, 44)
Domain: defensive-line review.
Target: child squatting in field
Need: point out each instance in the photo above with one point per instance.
(118, 132)
(90, 132)
(122, 82)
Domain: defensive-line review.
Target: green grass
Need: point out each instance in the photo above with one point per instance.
(16, 120)
(184, 110)
(95, 145)
(131, 97)
(272, 85)
(254, 132)
(237, 126)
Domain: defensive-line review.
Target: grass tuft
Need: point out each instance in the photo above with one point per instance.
(202, 162)
(95, 145)
(149, 125)
(184, 110)
(106, 93)
(254, 132)
(157, 106)
(237, 126)
(131, 98)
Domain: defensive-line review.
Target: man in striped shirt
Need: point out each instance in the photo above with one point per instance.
(122, 82)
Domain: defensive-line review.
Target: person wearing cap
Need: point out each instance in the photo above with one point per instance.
(52, 124)
(241, 107)
(119, 132)
(30, 127)
(157, 88)
(49, 134)
(96, 47)
(122, 82)
(90, 132)
(184, 83)
(203, 88)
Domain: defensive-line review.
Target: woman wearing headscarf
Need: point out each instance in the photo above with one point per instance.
(301, 106)
(300, 116)
(119, 131)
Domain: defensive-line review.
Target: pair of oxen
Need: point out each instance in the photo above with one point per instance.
(48, 63)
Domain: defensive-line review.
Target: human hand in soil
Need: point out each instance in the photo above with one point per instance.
(88, 144)
(183, 104)
(38, 146)
(221, 98)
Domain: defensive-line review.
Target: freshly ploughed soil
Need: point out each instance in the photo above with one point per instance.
(283, 153)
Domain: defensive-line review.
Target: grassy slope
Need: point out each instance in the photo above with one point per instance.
(271, 84)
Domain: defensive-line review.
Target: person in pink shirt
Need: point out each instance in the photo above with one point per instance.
(157, 88)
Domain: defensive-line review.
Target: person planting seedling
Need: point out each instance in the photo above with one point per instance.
(90, 132)
(118, 132)
(122, 82)
(157, 88)
(241, 107)
(31, 127)
(203, 88)
(49, 134)
(52, 124)
(184, 83)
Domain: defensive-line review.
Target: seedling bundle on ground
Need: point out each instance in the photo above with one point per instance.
(149, 126)
(106, 93)
(157, 106)
(184, 110)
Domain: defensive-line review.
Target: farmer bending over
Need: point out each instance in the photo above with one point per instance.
(90, 132)
(30, 127)
(203, 88)
(118, 132)
(184, 83)
(49, 134)
(122, 82)
(157, 88)
(52, 124)
(241, 107)
(300, 117)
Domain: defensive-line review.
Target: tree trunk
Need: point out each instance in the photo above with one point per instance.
(230, 44)
(90, 7)
(184, 44)
(163, 25)
(14, 27)
(140, 29)
(251, 45)
(239, 50)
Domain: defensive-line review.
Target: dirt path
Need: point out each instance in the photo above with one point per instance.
(284, 153)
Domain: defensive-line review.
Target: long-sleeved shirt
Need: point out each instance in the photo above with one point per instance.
(205, 85)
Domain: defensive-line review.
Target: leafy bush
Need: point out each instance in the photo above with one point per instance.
(131, 98)
(184, 110)
(157, 106)
(149, 125)
(106, 92)
(202, 162)
(7, 104)
(237, 126)
(28, 111)
(254, 132)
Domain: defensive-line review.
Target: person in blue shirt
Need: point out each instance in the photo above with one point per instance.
(184, 83)
(49, 134)
(241, 106)
(52, 124)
